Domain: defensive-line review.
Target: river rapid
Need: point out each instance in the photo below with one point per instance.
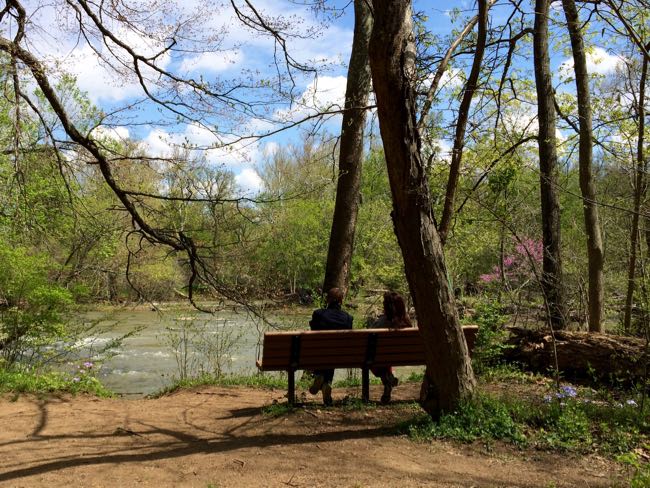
(157, 345)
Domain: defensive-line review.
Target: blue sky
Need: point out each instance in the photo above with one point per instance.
(213, 46)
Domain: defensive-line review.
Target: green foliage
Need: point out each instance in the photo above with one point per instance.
(277, 409)
(32, 309)
(352, 404)
(510, 373)
(640, 469)
(565, 420)
(489, 346)
(416, 377)
(566, 426)
(200, 347)
(481, 418)
(260, 380)
(31, 381)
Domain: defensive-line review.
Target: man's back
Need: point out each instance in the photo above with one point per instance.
(330, 318)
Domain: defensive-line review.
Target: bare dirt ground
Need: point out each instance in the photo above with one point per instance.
(223, 437)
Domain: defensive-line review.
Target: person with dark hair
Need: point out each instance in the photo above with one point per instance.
(330, 318)
(395, 316)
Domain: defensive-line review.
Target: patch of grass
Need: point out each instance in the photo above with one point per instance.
(354, 381)
(253, 381)
(27, 381)
(278, 409)
(354, 403)
(415, 377)
(508, 372)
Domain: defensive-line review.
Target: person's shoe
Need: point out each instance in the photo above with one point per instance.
(327, 394)
(385, 398)
(317, 384)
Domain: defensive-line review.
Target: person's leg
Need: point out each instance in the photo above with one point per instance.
(317, 383)
(389, 381)
(328, 376)
(379, 372)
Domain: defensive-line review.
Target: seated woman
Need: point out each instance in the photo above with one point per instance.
(394, 317)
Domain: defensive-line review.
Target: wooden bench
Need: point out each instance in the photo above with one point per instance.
(363, 348)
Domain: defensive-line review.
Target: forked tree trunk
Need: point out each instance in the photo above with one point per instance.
(587, 185)
(552, 280)
(639, 190)
(339, 254)
(449, 377)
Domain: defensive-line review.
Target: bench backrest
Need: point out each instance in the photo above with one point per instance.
(346, 348)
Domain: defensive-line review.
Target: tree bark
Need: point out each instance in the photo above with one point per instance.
(449, 377)
(552, 280)
(346, 207)
(595, 254)
(639, 190)
(461, 123)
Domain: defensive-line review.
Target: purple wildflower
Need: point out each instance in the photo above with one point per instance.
(567, 392)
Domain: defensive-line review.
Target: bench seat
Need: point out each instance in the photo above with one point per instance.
(363, 348)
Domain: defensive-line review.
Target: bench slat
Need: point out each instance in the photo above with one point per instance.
(347, 348)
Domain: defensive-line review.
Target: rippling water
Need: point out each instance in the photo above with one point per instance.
(146, 362)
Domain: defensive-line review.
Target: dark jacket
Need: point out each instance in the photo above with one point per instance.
(330, 318)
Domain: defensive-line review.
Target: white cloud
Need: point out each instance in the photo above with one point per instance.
(451, 78)
(270, 148)
(599, 61)
(225, 150)
(249, 182)
(444, 148)
(323, 93)
(117, 133)
(214, 62)
(160, 143)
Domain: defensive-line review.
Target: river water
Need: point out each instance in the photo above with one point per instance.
(152, 357)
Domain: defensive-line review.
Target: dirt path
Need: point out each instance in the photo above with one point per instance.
(220, 437)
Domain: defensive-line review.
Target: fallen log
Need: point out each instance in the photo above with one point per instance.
(580, 355)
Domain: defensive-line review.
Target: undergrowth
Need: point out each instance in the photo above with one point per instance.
(28, 381)
(565, 420)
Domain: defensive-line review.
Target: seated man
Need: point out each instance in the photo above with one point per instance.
(330, 318)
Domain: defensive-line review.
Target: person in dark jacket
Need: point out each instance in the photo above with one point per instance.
(330, 318)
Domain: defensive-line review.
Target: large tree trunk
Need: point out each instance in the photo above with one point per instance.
(461, 123)
(552, 281)
(580, 355)
(339, 254)
(587, 185)
(639, 190)
(449, 377)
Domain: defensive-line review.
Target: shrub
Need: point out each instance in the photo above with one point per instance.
(490, 340)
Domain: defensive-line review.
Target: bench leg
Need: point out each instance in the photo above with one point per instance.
(365, 385)
(292, 387)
